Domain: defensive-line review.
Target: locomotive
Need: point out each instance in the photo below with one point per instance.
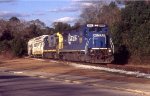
(90, 43)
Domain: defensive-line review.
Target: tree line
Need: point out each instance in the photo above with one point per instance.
(132, 33)
(15, 33)
(129, 27)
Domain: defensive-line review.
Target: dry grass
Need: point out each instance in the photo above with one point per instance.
(35, 65)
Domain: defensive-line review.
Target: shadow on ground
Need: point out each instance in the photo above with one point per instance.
(11, 77)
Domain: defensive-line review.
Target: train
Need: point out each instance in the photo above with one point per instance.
(90, 43)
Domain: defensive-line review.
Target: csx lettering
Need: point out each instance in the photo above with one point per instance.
(98, 35)
(72, 38)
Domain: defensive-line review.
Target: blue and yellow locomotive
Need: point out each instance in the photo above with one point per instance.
(90, 43)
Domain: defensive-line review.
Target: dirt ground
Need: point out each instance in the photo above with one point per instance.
(52, 66)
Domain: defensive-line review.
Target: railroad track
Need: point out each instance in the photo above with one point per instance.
(119, 69)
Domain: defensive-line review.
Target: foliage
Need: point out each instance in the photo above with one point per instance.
(18, 46)
(133, 30)
(14, 19)
(14, 34)
(60, 27)
(4, 45)
(101, 13)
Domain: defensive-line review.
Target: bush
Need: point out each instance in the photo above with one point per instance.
(5, 45)
(121, 55)
(18, 47)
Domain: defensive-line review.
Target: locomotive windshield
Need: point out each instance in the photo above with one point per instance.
(96, 29)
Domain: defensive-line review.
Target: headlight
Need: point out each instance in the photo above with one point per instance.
(109, 50)
(91, 50)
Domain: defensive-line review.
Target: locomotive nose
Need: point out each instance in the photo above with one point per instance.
(99, 41)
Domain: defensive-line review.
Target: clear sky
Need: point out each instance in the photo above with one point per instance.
(47, 11)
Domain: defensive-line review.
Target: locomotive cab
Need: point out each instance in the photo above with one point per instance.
(99, 45)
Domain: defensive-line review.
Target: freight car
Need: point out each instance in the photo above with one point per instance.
(90, 43)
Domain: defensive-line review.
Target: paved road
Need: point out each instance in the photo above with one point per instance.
(17, 85)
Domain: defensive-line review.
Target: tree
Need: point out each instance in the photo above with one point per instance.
(101, 12)
(134, 31)
(76, 26)
(6, 35)
(38, 23)
(18, 46)
(14, 19)
(92, 13)
(15, 33)
(48, 31)
(60, 26)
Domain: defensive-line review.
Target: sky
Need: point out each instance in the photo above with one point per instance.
(47, 11)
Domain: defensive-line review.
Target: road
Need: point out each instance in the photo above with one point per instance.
(36, 77)
(20, 85)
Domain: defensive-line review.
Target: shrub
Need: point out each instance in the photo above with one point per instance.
(18, 47)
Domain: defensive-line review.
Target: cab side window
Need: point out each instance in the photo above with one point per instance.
(85, 32)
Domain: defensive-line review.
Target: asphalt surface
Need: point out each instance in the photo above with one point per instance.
(22, 85)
